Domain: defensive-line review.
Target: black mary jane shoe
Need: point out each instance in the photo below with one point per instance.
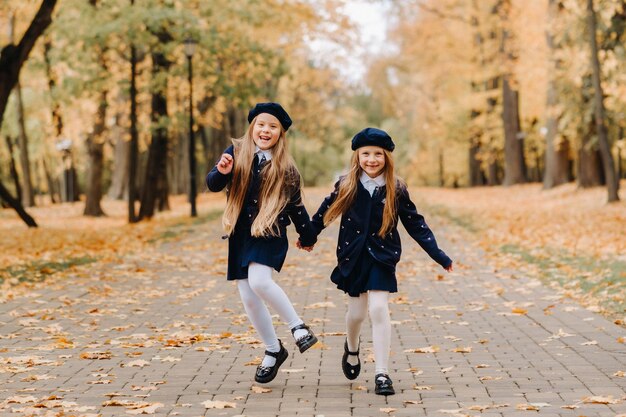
(350, 371)
(305, 341)
(384, 385)
(265, 374)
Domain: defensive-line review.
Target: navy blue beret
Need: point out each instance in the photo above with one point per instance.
(370, 136)
(274, 109)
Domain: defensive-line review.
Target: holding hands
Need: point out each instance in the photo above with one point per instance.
(306, 248)
(225, 164)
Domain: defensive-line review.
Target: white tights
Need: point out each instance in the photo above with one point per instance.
(381, 326)
(255, 292)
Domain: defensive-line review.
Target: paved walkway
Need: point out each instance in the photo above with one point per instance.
(164, 333)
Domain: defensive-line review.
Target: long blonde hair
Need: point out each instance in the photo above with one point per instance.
(279, 178)
(346, 194)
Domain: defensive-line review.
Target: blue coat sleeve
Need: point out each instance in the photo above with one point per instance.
(418, 229)
(318, 218)
(300, 217)
(215, 180)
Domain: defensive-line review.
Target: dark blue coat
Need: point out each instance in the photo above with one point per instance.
(360, 224)
(271, 250)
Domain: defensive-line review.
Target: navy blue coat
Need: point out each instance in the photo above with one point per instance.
(243, 248)
(360, 224)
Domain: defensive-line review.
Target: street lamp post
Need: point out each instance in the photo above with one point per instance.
(190, 48)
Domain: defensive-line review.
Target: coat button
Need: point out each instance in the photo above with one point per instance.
(255, 201)
(349, 219)
(249, 215)
(347, 259)
(342, 227)
(300, 212)
(347, 243)
(382, 246)
(302, 225)
(358, 231)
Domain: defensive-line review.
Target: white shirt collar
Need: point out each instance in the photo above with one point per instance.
(379, 180)
(370, 184)
(267, 153)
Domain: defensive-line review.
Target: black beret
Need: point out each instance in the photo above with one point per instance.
(274, 109)
(370, 136)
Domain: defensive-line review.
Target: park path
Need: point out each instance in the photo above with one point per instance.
(163, 333)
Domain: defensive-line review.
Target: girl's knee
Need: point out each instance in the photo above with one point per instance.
(356, 316)
(260, 286)
(378, 312)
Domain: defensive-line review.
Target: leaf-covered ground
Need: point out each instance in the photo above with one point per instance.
(570, 238)
(66, 240)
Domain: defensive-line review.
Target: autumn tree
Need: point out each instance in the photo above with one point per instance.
(12, 59)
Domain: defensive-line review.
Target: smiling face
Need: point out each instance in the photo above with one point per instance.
(266, 131)
(371, 160)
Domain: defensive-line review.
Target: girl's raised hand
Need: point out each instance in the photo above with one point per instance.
(225, 164)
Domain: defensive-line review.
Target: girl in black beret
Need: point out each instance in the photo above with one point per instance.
(370, 199)
(264, 197)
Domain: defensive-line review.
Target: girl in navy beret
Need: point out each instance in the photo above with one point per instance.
(370, 199)
(264, 197)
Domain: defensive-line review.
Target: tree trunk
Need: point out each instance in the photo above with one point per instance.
(52, 188)
(155, 190)
(514, 164)
(57, 119)
(13, 56)
(28, 196)
(13, 169)
(133, 154)
(121, 149)
(603, 141)
(589, 166)
(16, 205)
(476, 174)
(492, 171)
(95, 147)
(557, 152)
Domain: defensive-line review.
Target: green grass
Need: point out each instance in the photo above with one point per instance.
(466, 222)
(605, 279)
(185, 226)
(37, 271)
(602, 279)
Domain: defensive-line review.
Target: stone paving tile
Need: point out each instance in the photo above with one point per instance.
(173, 309)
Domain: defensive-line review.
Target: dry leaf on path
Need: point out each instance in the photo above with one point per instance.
(218, 404)
(428, 349)
(596, 399)
(138, 363)
(145, 409)
(467, 349)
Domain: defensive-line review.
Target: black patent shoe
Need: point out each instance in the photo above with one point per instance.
(350, 371)
(265, 374)
(384, 386)
(305, 341)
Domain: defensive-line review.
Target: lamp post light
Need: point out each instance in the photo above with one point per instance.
(190, 48)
